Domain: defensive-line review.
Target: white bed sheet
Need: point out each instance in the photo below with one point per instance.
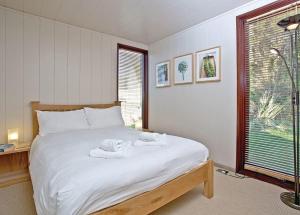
(67, 181)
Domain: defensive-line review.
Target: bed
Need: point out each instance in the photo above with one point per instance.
(67, 181)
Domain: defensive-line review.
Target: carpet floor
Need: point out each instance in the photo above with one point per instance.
(232, 197)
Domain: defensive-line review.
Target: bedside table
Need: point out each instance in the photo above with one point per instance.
(14, 165)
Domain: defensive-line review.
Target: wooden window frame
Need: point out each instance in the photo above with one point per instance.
(242, 94)
(145, 83)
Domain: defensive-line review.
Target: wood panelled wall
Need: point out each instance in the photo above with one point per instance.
(51, 62)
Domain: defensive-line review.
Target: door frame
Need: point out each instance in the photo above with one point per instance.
(243, 94)
(145, 84)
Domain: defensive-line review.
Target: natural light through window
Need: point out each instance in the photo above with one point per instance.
(269, 141)
(130, 87)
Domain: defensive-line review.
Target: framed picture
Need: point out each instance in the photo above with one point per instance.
(208, 65)
(163, 74)
(183, 69)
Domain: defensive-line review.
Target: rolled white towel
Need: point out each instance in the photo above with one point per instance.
(99, 153)
(114, 145)
(148, 136)
(161, 140)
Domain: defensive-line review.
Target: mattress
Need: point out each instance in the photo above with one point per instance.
(66, 180)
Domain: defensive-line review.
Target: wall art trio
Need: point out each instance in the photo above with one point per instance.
(206, 68)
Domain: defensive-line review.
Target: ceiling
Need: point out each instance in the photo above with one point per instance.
(143, 21)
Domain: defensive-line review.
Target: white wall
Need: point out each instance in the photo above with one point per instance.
(204, 111)
(51, 62)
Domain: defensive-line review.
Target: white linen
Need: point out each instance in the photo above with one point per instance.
(148, 136)
(56, 121)
(114, 145)
(66, 180)
(160, 140)
(100, 153)
(103, 118)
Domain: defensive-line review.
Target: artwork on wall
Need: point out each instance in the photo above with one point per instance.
(208, 64)
(163, 74)
(183, 69)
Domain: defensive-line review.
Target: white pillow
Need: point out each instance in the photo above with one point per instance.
(54, 121)
(102, 118)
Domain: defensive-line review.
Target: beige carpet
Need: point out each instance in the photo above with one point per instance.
(232, 197)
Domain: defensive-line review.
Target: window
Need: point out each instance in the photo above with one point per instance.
(265, 147)
(132, 85)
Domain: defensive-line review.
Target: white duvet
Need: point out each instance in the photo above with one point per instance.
(67, 181)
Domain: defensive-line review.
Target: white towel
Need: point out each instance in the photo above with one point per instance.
(99, 153)
(161, 140)
(111, 148)
(114, 145)
(148, 136)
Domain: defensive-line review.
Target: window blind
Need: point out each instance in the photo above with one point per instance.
(130, 86)
(269, 137)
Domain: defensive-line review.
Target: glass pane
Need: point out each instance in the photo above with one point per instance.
(269, 141)
(130, 87)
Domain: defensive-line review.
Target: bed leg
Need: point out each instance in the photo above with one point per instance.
(209, 183)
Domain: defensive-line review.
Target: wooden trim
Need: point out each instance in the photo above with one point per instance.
(15, 177)
(145, 96)
(150, 201)
(209, 183)
(49, 107)
(242, 94)
(265, 9)
(263, 177)
(274, 174)
(25, 148)
(132, 48)
(145, 102)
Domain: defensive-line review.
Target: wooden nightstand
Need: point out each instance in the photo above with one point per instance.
(14, 165)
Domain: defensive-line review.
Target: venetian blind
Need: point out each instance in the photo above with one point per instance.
(130, 86)
(269, 139)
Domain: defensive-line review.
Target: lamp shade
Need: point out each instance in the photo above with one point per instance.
(274, 51)
(13, 136)
(290, 23)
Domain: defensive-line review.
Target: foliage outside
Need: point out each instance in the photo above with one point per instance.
(270, 120)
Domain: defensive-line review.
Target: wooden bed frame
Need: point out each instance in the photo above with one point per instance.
(147, 202)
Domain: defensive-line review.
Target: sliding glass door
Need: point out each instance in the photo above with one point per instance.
(132, 85)
(265, 147)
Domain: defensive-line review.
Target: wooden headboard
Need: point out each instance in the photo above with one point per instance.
(49, 107)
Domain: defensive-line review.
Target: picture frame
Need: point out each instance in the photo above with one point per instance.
(208, 65)
(162, 73)
(183, 67)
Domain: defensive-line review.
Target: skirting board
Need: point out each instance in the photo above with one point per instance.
(224, 167)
